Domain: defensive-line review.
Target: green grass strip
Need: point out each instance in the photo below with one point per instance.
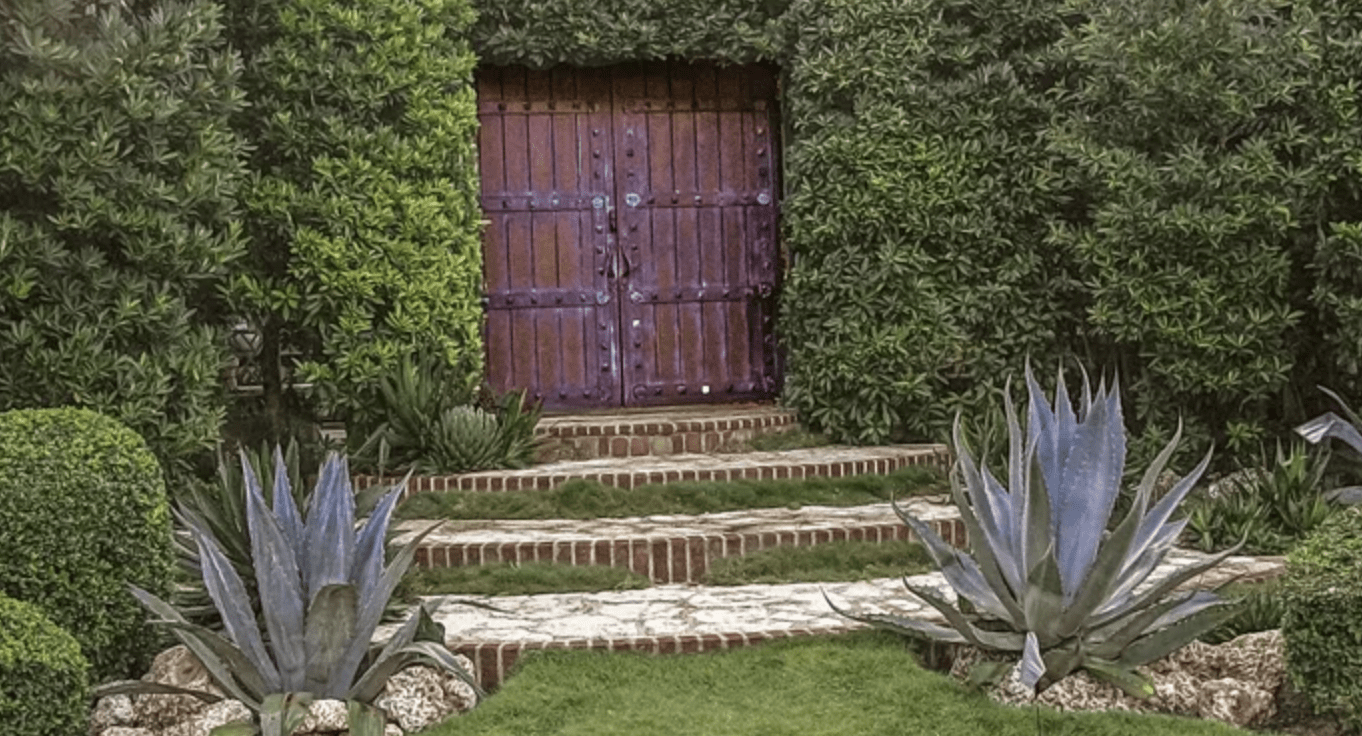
(517, 579)
(861, 684)
(583, 499)
(823, 563)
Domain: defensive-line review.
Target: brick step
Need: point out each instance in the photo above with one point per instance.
(826, 462)
(666, 431)
(671, 549)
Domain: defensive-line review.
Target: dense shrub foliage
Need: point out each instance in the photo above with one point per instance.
(43, 677)
(1322, 622)
(1335, 274)
(1182, 125)
(917, 188)
(118, 176)
(541, 33)
(362, 211)
(83, 512)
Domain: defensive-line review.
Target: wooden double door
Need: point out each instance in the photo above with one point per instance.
(630, 255)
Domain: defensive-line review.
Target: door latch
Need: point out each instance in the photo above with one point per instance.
(614, 220)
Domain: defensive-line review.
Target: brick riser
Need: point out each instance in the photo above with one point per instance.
(667, 560)
(625, 439)
(493, 661)
(628, 479)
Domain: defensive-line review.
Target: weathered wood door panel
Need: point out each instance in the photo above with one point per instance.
(631, 249)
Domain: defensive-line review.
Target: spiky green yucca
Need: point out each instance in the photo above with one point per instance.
(322, 589)
(1043, 579)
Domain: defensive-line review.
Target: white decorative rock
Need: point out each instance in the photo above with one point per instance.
(115, 710)
(325, 716)
(127, 731)
(419, 697)
(1235, 682)
(175, 666)
(218, 714)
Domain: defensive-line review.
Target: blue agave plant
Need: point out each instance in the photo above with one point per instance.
(322, 588)
(1043, 579)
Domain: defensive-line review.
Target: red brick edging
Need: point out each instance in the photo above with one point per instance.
(682, 559)
(493, 661)
(493, 481)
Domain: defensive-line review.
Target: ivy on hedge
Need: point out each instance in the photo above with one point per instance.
(542, 33)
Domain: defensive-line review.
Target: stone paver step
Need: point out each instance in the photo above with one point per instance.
(833, 461)
(665, 431)
(682, 619)
(671, 548)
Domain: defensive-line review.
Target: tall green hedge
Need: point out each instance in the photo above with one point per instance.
(84, 512)
(118, 177)
(362, 211)
(1183, 127)
(918, 188)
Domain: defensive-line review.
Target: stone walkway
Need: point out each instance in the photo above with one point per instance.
(686, 618)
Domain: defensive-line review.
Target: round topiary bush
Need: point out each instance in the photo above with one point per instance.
(43, 677)
(83, 512)
(1322, 621)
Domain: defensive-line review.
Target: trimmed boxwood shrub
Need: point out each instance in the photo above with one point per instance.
(44, 686)
(1322, 623)
(362, 212)
(118, 176)
(83, 512)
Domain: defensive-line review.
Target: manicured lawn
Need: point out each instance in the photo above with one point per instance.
(581, 499)
(861, 684)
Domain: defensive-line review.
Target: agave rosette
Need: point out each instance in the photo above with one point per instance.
(1043, 578)
(323, 588)
(1330, 425)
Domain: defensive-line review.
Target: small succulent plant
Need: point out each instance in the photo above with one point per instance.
(1043, 579)
(322, 588)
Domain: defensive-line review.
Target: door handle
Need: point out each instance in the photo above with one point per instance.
(614, 220)
(628, 265)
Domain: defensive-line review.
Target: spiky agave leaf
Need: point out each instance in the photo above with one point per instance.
(1043, 563)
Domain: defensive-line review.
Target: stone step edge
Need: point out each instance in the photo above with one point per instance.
(927, 455)
(653, 427)
(663, 560)
(650, 444)
(493, 660)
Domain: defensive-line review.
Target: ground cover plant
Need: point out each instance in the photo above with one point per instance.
(582, 499)
(861, 684)
(1269, 510)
